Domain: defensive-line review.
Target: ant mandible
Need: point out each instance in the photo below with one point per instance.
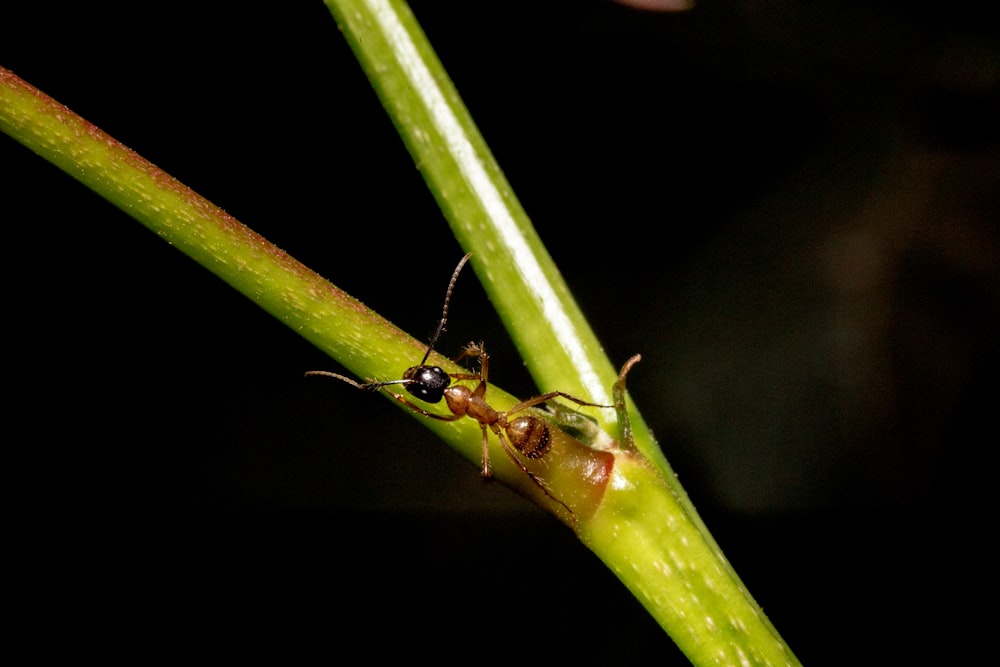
(525, 434)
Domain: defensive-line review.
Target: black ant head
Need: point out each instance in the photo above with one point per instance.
(426, 382)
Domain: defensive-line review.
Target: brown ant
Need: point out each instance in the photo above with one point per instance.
(526, 434)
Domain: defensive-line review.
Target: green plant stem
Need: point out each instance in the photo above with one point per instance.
(335, 322)
(642, 524)
(555, 340)
(526, 288)
(642, 532)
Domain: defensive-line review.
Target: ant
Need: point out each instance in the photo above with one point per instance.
(525, 434)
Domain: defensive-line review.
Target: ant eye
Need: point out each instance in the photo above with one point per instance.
(427, 382)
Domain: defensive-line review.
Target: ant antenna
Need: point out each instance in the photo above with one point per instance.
(444, 311)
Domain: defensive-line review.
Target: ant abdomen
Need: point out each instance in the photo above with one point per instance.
(530, 436)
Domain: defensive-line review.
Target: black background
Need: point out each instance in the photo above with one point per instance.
(790, 209)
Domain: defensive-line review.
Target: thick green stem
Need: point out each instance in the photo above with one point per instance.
(642, 532)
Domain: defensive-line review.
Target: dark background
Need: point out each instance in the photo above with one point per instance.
(790, 210)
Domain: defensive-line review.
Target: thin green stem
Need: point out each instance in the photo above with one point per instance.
(335, 322)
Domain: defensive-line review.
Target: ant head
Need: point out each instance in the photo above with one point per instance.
(426, 382)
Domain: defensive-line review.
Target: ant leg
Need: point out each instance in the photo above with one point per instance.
(484, 363)
(465, 376)
(618, 391)
(419, 410)
(476, 350)
(472, 350)
(532, 476)
(487, 470)
(531, 402)
(484, 371)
